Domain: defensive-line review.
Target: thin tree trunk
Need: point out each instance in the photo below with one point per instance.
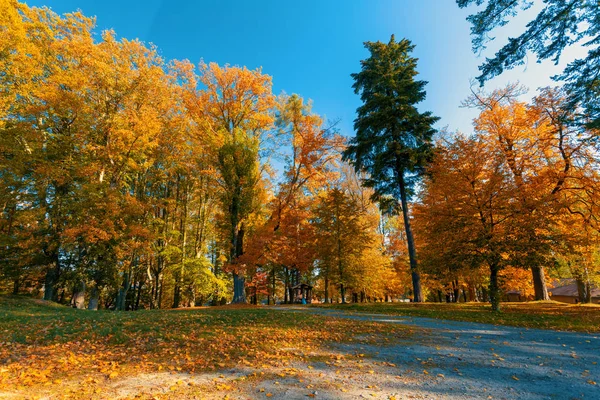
(455, 291)
(93, 304)
(412, 252)
(139, 295)
(239, 281)
(52, 274)
(180, 276)
(285, 287)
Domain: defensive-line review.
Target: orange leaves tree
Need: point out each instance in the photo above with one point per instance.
(549, 162)
(238, 108)
(465, 214)
(507, 191)
(141, 183)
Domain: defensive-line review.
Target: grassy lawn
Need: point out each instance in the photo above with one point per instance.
(541, 315)
(53, 350)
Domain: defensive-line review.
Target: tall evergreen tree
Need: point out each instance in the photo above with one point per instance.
(393, 139)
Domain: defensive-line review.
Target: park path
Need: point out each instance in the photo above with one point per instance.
(465, 360)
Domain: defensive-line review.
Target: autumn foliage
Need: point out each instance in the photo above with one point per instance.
(129, 181)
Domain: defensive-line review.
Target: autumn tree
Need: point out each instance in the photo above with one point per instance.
(393, 139)
(466, 210)
(342, 236)
(238, 105)
(546, 158)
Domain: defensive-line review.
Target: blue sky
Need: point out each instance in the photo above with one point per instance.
(311, 47)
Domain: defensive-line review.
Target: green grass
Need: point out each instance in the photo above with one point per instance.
(541, 315)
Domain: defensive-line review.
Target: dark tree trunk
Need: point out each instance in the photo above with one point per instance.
(181, 274)
(326, 289)
(93, 304)
(484, 294)
(286, 283)
(51, 281)
(539, 283)
(343, 293)
(439, 293)
(239, 280)
(494, 288)
(472, 293)
(139, 295)
(16, 284)
(455, 291)
(122, 294)
(412, 252)
(291, 294)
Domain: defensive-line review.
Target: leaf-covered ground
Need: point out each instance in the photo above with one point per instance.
(51, 351)
(540, 315)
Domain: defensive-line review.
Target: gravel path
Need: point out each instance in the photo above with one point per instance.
(464, 360)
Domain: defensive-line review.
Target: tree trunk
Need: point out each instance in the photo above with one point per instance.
(239, 281)
(412, 252)
(239, 295)
(79, 296)
(16, 284)
(52, 274)
(472, 293)
(494, 288)
(160, 289)
(539, 283)
(180, 275)
(580, 289)
(93, 304)
(122, 295)
(139, 295)
(343, 293)
(455, 291)
(326, 289)
(285, 287)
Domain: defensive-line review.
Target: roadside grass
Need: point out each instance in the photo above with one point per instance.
(52, 350)
(538, 314)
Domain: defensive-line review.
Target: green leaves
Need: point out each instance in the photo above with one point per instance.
(393, 138)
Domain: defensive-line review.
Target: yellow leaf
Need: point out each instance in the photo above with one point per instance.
(515, 378)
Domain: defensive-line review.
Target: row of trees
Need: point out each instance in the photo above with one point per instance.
(134, 182)
(520, 192)
(140, 183)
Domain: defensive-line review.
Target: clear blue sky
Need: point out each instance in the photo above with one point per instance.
(311, 47)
